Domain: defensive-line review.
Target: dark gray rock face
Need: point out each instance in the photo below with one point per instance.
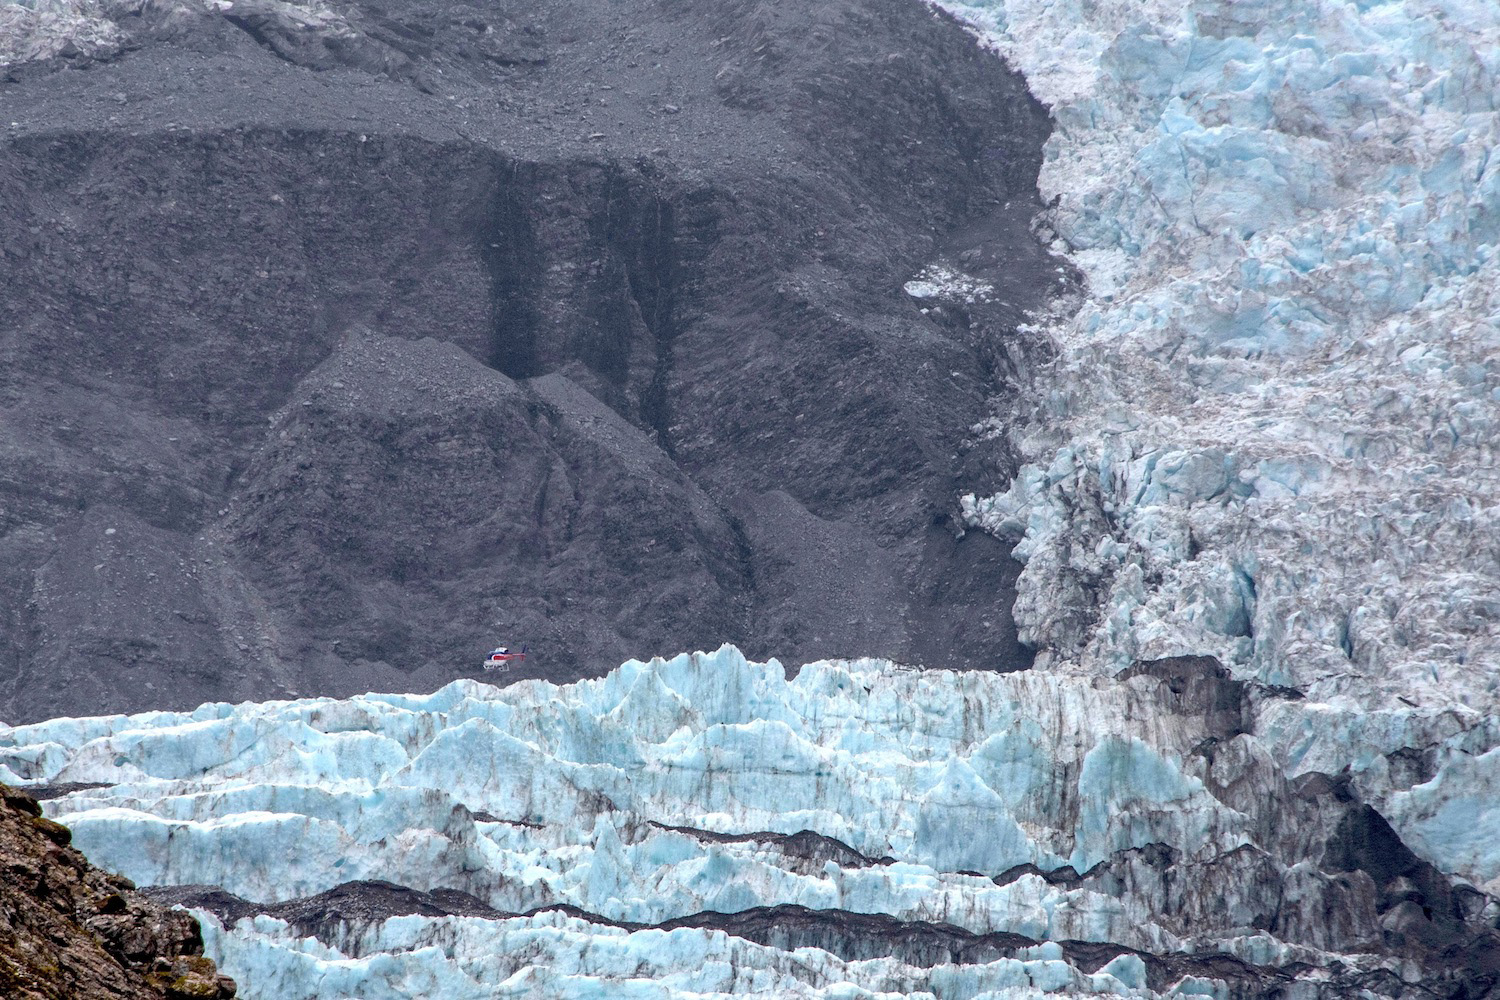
(333, 350)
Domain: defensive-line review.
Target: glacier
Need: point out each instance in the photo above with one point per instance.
(1266, 431)
(1257, 508)
(703, 825)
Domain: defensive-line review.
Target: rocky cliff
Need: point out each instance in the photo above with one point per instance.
(69, 931)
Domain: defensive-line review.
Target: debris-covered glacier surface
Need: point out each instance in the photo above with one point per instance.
(1269, 431)
(704, 825)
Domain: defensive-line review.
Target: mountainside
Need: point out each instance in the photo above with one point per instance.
(69, 931)
(340, 342)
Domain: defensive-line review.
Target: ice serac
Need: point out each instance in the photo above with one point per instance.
(1268, 435)
(705, 825)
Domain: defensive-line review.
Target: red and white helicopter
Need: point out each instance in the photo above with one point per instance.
(502, 656)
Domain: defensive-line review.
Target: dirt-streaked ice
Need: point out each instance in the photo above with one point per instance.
(938, 785)
(1270, 432)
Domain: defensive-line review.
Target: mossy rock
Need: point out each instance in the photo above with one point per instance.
(191, 977)
(39, 978)
(192, 987)
(53, 831)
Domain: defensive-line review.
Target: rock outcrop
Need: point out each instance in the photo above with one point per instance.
(69, 931)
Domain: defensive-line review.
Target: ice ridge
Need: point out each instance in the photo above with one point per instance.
(1132, 814)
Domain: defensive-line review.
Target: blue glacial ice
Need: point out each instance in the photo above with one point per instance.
(1270, 432)
(942, 772)
(594, 795)
(556, 956)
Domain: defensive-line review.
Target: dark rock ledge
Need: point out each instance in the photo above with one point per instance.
(69, 931)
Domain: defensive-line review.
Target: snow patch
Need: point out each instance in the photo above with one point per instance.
(939, 281)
